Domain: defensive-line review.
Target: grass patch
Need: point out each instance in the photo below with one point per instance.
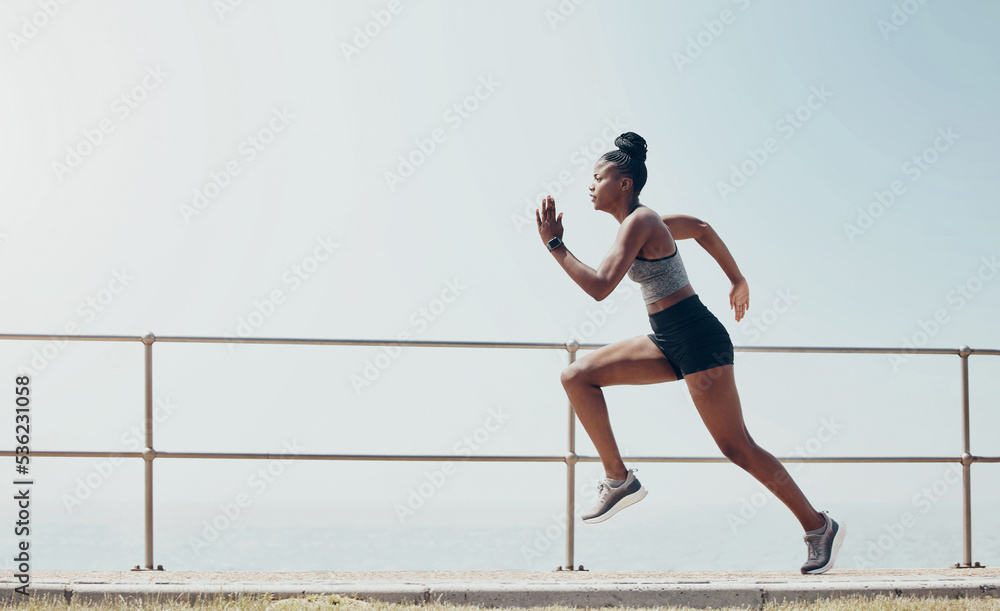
(333, 602)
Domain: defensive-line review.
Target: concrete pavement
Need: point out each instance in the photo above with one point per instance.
(511, 588)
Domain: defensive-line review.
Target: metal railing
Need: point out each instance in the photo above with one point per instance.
(149, 454)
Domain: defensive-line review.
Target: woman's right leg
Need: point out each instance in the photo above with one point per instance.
(630, 361)
(718, 402)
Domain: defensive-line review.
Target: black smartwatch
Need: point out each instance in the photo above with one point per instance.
(555, 243)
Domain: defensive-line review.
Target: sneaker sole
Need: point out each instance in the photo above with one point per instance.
(837, 540)
(631, 499)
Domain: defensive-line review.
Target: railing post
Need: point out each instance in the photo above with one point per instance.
(964, 352)
(571, 459)
(148, 453)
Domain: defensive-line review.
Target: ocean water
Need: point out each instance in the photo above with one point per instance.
(666, 537)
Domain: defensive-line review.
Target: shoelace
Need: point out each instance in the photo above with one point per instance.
(813, 553)
(602, 490)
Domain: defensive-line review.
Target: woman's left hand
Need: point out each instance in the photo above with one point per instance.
(549, 225)
(739, 298)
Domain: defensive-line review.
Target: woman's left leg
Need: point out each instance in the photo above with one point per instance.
(714, 394)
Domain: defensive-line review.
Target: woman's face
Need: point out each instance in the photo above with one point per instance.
(606, 187)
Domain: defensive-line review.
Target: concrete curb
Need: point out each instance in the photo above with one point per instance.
(751, 594)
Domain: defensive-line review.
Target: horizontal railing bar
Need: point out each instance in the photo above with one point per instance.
(803, 459)
(495, 458)
(72, 338)
(291, 341)
(468, 344)
(377, 457)
(835, 350)
(363, 342)
(74, 454)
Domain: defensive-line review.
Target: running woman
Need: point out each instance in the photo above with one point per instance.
(688, 342)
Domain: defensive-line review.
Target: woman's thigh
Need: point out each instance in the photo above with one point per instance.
(718, 402)
(636, 360)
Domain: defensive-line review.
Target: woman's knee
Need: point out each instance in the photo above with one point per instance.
(572, 375)
(739, 451)
(577, 374)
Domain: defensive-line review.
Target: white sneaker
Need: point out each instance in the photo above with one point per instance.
(823, 548)
(612, 500)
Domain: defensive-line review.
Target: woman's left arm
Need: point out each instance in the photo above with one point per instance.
(682, 226)
(739, 294)
(713, 245)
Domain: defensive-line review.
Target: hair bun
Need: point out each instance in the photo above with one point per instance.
(632, 144)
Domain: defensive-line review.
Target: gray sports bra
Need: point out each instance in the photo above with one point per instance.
(659, 277)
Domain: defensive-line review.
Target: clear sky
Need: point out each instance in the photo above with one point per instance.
(362, 170)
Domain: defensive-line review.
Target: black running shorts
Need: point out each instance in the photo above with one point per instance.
(691, 337)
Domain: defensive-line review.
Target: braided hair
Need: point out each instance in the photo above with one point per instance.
(629, 159)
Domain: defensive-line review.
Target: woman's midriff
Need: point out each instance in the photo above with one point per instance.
(682, 293)
(665, 302)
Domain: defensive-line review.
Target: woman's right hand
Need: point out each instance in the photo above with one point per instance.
(739, 298)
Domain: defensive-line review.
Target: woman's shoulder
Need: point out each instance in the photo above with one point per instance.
(648, 215)
(659, 242)
(645, 212)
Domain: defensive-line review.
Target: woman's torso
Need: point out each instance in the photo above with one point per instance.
(661, 244)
